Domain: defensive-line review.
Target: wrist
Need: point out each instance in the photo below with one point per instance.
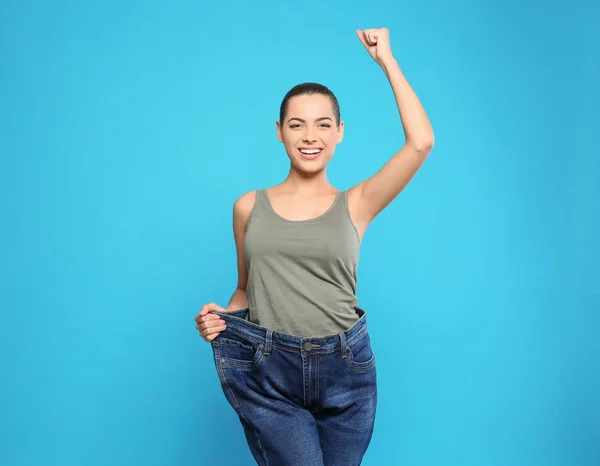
(388, 64)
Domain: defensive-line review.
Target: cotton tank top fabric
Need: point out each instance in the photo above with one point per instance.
(302, 275)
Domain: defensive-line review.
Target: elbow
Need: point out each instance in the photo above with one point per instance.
(422, 145)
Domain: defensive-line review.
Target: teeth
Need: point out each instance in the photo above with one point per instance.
(314, 151)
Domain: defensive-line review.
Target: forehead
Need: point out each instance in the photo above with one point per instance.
(309, 106)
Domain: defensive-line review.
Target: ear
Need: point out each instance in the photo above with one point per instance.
(279, 131)
(340, 132)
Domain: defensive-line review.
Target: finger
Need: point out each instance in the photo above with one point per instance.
(208, 318)
(376, 30)
(205, 316)
(210, 324)
(211, 337)
(201, 314)
(367, 33)
(212, 307)
(208, 308)
(211, 331)
(372, 36)
(362, 38)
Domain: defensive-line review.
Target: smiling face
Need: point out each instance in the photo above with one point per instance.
(310, 132)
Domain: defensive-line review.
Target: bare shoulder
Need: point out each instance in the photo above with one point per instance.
(245, 202)
(354, 193)
(242, 208)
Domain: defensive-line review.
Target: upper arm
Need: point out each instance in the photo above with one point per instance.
(242, 208)
(368, 198)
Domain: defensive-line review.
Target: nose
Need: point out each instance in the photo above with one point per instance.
(309, 135)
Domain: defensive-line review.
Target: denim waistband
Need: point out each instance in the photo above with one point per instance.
(236, 322)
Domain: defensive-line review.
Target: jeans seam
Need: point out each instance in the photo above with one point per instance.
(304, 380)
(318, 374)
(357, 337)
(245, 335)
(245, 365)
(262, 450)
(361, 367)
(236, 404)
(294, 350)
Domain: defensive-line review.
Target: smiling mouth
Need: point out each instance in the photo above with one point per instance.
(310, 154)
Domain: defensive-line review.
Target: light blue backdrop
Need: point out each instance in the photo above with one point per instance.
(129, 128)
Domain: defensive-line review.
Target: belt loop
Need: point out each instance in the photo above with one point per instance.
(342, 345)
(269, 342)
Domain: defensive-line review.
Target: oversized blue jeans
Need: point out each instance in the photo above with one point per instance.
(301, 401)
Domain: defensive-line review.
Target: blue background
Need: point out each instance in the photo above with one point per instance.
(128, 129)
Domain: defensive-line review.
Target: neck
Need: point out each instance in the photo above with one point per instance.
(306, 183)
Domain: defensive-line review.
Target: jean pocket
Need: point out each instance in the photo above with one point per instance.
(235, 351)
(361, 358)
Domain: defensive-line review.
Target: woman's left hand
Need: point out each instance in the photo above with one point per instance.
(377, 43)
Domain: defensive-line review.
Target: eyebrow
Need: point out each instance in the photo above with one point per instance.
(304, 121)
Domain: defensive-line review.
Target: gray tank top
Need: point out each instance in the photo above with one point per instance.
(302, 274)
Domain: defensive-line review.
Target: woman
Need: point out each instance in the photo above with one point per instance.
(292, 349)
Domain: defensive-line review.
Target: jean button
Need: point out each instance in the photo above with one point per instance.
(308, 346)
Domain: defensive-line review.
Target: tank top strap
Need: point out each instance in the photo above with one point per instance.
(343, 202)
(261, 199)
(345, 209)
(263, 205)
(344, 197)
(258, 209)
(338, 203)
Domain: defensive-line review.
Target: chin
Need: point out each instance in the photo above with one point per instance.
(312, 166)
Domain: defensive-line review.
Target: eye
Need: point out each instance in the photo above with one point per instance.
(325, 125)
(294, 125)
